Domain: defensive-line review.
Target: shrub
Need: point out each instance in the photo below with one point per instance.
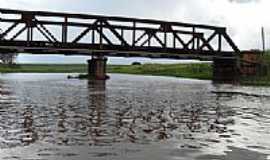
(136, 63)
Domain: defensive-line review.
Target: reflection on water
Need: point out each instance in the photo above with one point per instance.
(130, 117)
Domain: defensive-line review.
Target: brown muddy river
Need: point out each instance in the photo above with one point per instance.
(47, 117)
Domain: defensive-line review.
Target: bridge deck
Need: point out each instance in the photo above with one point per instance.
(63, 33)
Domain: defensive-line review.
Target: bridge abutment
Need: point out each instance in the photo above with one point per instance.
(226, 70)
(97, 68)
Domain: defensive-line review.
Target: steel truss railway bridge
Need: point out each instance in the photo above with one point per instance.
(41, 32)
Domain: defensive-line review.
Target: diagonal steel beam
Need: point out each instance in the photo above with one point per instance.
(190, 42)
(140, 38)
(181, 41)
(44, 34)
(150, 35)
(83, 33)
(9, 29)
(206, 42)
(230, 41)
(120, 38)
(48, 32)
(104, 36)
(159, 41)
(19, 33)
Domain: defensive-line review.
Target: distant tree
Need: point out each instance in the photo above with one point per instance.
(8, 58)
(136, 63)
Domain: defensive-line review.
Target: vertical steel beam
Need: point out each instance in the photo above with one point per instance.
(165, 39)
(193, 40)
(149, 39)
(65, 30)
(122, 36)
(198, 43)
(93, 37)
(174, 41)
(29, 34)
(101, 33)
(134, 34)
(219, 42)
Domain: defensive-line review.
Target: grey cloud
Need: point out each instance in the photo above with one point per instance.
(236, 15)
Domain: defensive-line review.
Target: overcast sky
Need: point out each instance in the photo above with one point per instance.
(243, 18)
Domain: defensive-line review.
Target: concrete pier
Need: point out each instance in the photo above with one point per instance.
(226, 70)
(97, 68)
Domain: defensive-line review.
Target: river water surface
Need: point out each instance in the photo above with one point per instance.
(47, 117)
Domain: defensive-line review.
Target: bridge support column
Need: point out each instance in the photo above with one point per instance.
(226, 70)
(97, 68)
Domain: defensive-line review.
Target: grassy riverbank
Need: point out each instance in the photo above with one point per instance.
(44, 68)
(198, 71)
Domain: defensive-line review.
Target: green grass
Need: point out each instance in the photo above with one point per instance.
(44, 68)
(198, 71)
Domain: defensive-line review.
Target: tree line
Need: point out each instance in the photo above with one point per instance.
(7, 58)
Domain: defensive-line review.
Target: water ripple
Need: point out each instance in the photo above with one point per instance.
(78, 116)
